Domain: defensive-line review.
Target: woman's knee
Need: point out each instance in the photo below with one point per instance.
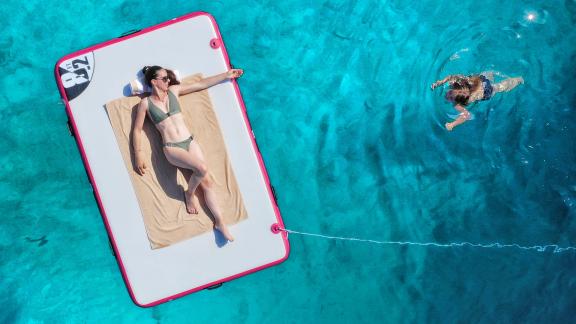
(201, 170)
(207, 182)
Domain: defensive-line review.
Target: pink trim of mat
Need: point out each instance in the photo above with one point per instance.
(91, 178)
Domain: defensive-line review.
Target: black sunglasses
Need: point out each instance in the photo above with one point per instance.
(165, 79)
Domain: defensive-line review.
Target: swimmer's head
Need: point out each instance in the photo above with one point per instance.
(460, 84)
(458, 96)
(459, 92)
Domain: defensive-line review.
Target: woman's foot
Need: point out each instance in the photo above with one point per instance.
(489, 75)
(224, 230)
(449, 126)
(191, 206)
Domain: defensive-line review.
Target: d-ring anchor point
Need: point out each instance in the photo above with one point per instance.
(275, 228)
(215, 43)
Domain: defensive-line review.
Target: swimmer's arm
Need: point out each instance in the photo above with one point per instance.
(463, 117)
(137, 135)
(450, 78)
(206, 83)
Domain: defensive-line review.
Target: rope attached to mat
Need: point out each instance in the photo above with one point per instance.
(539, 248)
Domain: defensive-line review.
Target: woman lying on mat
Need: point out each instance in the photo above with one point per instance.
(464, 90)
(180, 149)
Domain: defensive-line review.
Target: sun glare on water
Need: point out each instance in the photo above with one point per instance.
(534, 16)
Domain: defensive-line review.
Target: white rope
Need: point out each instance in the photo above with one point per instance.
(539, 248)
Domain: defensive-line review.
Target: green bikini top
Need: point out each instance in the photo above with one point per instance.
(157, 115)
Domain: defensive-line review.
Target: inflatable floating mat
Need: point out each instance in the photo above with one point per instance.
(163, 251)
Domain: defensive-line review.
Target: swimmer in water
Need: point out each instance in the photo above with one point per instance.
(465, 90)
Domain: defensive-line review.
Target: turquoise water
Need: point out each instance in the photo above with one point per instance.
(337, 93)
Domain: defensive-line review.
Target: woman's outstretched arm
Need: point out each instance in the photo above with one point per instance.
(450, 78)
(137, 135)
(205, 83)
(463, 117)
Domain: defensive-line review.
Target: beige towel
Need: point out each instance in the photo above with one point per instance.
(160, 191)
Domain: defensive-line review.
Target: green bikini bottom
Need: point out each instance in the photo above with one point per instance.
(185, 144)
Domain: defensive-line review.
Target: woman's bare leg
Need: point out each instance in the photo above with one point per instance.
(489, 75)
(191, 160)
(207, 185)
(508, 84)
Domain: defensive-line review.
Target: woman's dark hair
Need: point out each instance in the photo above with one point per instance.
(461, 84)
(172, 76)
(457, 98)
(151, 72)
(460, 99)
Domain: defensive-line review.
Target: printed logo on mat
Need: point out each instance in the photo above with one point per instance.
(76, 74)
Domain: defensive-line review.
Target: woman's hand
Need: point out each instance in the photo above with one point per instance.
(140, 165)
(441, 82)
(436, 84)
(234, 73)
